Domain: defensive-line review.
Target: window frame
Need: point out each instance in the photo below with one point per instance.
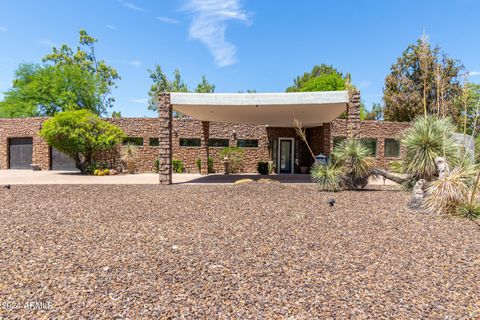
(154, 139)
(218, 146)
(385, 148)
(189, 139)
(133, 141)
(255, 145)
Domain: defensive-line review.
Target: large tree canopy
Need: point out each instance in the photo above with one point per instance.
(67, 80)
(322, 78)
(422, 79)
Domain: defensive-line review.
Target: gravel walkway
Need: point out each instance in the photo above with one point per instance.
(243, 251)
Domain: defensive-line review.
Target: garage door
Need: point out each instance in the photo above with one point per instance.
(20, 153)
(60, 161)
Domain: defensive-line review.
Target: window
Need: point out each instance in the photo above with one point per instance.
(337, 141)
(371, 144)
(136, 141)
(189, 142)
(218, 142)
(247, 143)
(154, 142)
(392, 148)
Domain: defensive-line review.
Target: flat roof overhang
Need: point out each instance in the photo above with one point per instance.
(270, 109)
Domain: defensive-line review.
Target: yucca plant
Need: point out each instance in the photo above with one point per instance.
(469, 210)
(355, 157)
(428, 138)
(128, 154)
(329, 177)
(447, 194)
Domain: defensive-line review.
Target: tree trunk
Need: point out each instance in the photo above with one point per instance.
(389, 175)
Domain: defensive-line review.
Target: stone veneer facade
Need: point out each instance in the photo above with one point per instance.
(320, 139)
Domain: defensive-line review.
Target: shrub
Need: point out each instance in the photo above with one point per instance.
(469, 210)
(177, 166)
(81, 135)
(198, 162)
(211, 169)
(263, 167)
(428, 138)
(234, 157)
(128, 154)
(354, 156)
(328, 177)
(156, 166)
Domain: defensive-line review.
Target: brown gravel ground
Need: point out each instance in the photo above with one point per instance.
(245, 251)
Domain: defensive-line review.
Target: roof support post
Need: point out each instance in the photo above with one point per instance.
(165, 138)
(204, 153)
(353, 114)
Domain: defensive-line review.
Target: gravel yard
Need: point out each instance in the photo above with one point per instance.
(239, 251)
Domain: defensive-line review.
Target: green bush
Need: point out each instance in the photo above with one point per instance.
(211, 169)
(328, 177)
(156, 166)
(234, 157)
(198, 162)
(177, 166)
(263, 167)
(81, 135)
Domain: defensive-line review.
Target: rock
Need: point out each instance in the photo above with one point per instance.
(418, 194)
(241, 181)
(268, 180)
(113, 172)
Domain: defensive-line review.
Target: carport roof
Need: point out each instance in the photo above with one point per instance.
(270, 109)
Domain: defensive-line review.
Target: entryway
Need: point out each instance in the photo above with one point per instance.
(285, 155)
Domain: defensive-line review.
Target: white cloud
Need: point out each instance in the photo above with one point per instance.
(131, 6)
(140, 100)
(209, 24)
(109, 26)
(168, 20)
(136, 63)
(46, 42)
(474, 73)
(3, 29)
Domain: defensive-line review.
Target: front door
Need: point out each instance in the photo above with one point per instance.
(285, 156)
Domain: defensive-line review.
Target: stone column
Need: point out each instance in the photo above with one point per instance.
(204, 152)
(327, 139)
(165, 138)
(353, 114)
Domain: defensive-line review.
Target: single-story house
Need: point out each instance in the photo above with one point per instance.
(261, 123)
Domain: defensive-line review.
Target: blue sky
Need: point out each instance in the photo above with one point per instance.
(238, 44)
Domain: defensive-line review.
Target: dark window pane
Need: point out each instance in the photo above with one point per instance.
(337, 141)
(154, 142)
(247, 143)
(371, 144)
(218, 143)
(189, 142)
(392, 148)
(136, 141)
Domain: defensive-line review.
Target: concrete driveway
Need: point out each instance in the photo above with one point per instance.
(64, 177)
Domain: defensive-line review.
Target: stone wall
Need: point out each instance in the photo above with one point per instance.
(379, 130)
(320, 139)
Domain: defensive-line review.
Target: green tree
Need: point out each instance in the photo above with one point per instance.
(162, 84)
(205, 86)
(45, 90)
(376, 113)
(85, 57)
(423, 80)
(322, 78)
(82, 135)
(116, 114)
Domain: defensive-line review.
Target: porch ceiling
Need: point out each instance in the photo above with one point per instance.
(272, 109)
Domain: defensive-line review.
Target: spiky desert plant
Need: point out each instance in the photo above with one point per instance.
(428, 138)
(447, 194)
(328, 177)
(469, 210)
(355, 157)
(128, 154)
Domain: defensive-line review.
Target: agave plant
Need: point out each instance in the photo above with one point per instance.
(355, 157)
(429, 137)
(329, 177)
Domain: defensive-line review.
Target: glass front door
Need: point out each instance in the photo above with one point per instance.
(285, 158)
